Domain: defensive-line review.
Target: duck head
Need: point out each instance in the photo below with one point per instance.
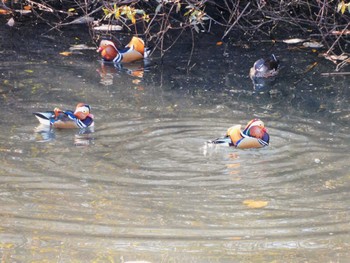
(108, 50)
(82, 111)
(256, 128)
(265, 68)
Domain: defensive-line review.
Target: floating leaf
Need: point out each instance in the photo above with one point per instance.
(23, 12)
(108, 28)
(81, 47)
(219, 43)
(11, 22)
(28, 71)
(255, 203)
(4, 11)
(293, 40)
(66, 53)
(313, 44)
(71, 10)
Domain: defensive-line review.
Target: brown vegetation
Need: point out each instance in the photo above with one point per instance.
(324, 21)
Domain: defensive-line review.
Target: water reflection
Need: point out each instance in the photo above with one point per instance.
(108, 71)
(82, 137)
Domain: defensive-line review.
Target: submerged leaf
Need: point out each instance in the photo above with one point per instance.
(66, 53)
(310, 67)
(255, 203)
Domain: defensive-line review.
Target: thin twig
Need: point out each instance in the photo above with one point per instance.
(235, 21)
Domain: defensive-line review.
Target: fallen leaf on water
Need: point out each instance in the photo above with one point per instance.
(28, 71)
(293, 40)
(310, 67)
(4, 12)
(219, 43)
(23, 11)
(81, 47)
(108, 28)
(330, 184)
(6, 245)
(235, 238)
(66, 53)
(11, 22)
(233, 165)
(334, 58)
(255, 203)
(27, 7)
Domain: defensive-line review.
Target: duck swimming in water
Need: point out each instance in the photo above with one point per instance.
(63, 119)
(265, 68)
(254, 135)
(133, 51)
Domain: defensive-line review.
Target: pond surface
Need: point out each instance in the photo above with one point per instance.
(144, 185)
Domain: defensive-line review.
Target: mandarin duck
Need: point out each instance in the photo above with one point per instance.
(133, 51)
(254, 135)
(80, 118)
(265, 68)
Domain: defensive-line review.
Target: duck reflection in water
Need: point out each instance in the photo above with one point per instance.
(108, 70)
(263, 72)
(84, 136)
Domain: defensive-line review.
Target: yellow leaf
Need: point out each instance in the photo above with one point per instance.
(66, 53)
(255, 203)
(117, 13)
(6, 245)
(71, 10)
(340, 4)
(343, 7)
(29, 71)
(4, 12)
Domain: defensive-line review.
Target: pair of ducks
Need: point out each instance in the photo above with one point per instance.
(254, 134)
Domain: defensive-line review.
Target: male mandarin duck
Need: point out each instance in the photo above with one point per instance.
(265, 68)
(254, 135)
(80, 118)
(133, 51)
